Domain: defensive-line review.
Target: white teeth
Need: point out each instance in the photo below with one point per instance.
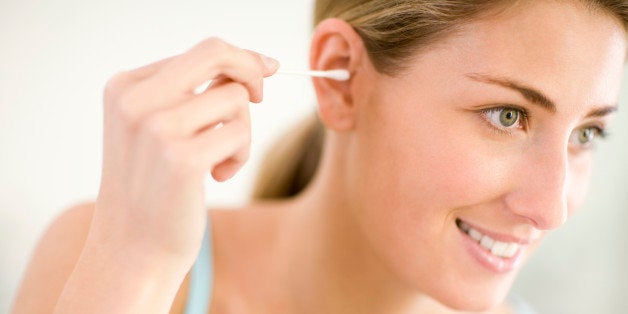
(497, 248)
(475, 235)
(511, 250)
(487, 242)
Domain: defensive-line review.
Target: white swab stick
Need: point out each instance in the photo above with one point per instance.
(338, 74)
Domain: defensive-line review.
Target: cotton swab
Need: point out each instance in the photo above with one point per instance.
(337, 74)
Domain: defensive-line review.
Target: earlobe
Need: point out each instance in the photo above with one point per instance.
(335, 45)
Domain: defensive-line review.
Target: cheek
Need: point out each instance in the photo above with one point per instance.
(426, 161)
(412, 178)
(415, 170)
(447, 166)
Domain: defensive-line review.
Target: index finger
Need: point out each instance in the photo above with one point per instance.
(208, 60)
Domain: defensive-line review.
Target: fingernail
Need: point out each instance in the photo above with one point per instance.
(270, 63)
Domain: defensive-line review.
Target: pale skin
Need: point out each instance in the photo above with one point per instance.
(404, 157)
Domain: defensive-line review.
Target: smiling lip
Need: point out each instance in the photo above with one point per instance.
(497, 252)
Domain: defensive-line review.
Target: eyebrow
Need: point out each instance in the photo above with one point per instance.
(528, 93)
(534, 96)
(600, 112)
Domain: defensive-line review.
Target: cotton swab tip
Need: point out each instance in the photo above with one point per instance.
(338, 75)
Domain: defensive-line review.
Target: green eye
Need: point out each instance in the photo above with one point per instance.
(586, 135)
(508, 117)
(505, 118)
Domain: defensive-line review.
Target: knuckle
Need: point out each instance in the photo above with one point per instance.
(222, 60)
(124, 110)
(116, 81)
(124, 115)
(216, 51)
(213, 46)
(114, 87)
(118, 99)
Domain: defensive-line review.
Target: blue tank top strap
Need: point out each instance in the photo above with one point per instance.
(201, 277)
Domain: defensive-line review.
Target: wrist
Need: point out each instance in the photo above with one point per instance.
(113, 279)
(149, 237)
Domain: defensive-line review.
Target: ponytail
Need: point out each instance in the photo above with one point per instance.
(291, 161)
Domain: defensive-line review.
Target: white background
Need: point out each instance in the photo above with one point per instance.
(55, 57)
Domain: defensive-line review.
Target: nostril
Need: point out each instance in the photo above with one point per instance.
(543, 208)
(547, 219)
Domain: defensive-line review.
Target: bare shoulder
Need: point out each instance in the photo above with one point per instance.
(244, 243)
(239, 225)
(53, 260)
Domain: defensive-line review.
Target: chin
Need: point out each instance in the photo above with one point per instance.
(472, 303)
(464, 292)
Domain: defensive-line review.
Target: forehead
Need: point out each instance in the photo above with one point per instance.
(573, 54)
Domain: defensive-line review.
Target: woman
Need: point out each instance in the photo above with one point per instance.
(463, 136)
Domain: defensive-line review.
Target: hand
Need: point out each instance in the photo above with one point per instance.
(160, 139)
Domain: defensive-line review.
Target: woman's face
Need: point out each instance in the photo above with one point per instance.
(483, 145)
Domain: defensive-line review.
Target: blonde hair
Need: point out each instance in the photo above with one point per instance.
(392, 32)
(291, 161)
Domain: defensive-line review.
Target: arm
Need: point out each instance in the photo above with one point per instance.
(130, 250)
(54, 259)
(109, 278)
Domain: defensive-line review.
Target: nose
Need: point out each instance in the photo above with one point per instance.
(541, 182)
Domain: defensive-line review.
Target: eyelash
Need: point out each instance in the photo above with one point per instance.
(523, 119)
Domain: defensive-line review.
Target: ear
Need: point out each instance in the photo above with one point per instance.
(335, 45)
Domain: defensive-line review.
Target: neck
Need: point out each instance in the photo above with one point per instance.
(330, 266)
